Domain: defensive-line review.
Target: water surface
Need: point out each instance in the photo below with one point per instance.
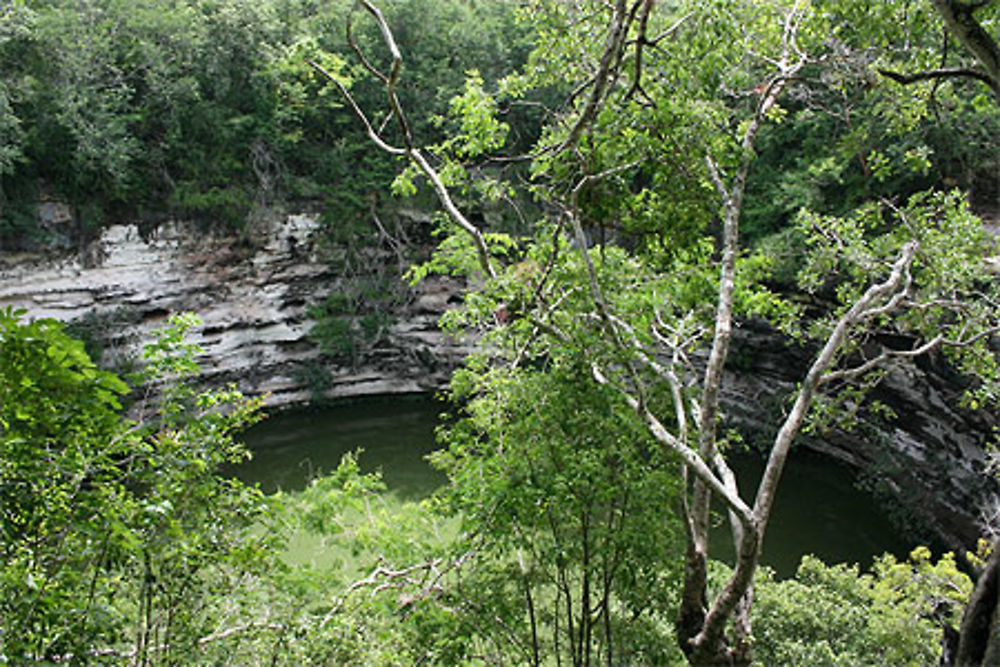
(818, 509)
(291, 448)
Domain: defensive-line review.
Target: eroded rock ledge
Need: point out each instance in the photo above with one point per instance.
(253, 298)
(929, 458)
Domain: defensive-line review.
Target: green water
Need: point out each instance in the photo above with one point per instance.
(817, 510)
(395, 433)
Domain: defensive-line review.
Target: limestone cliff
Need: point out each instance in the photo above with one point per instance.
(252, 296)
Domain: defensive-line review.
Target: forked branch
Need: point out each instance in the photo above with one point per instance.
(873, 299)
(416, 157)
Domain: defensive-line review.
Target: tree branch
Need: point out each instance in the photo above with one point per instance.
(595, 289)
(607, 70)
(372, 134)
(416, 157)
(872, 364)
(938, 74)
(453, 211)
(959, 19)
(793, 422)
(690, 457)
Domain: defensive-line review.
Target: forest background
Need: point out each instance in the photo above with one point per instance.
(621, 182)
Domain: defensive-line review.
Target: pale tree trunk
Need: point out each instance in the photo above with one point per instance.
(694, 603)
(700, 628)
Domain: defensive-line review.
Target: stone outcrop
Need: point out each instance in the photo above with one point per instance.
(929, 457)
(252, 295)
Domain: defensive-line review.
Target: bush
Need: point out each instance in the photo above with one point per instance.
(833, 615)
(117, 536)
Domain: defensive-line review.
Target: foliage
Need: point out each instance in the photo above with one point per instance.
(550, 478)
(836, 616)
(206, 108)
(366, 295)
(380, 593)
(356, 316)
(494, 567)
(951, 295)
(118, 536)
(58, 434)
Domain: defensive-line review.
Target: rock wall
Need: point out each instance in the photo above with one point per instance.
(252, 296)
(929, 459)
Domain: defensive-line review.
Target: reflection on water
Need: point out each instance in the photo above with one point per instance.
(395, 433)
(817, 509)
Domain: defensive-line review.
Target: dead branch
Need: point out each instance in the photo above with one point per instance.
(382, 578)
(640, 42)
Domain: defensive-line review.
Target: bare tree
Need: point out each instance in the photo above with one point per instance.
(689, 428)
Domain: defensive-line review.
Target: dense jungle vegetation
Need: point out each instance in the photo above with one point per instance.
(153, 110)
(621, 183)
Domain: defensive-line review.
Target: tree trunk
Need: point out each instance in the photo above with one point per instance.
(960, 22)
(979, 636)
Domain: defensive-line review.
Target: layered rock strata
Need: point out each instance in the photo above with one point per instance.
(253, 297)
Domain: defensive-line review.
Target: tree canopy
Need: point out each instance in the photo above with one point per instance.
(665, 170)
(205, 108)
(647, 310)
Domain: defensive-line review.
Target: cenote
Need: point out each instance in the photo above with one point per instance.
(818, 509)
